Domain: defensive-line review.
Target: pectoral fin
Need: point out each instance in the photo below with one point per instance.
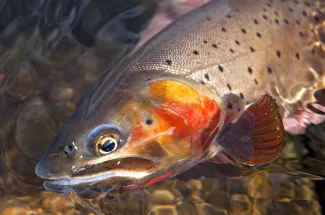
(258, 135)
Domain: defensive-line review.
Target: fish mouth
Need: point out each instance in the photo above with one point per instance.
(128, 168)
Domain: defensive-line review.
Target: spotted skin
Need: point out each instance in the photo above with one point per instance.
(246, 48)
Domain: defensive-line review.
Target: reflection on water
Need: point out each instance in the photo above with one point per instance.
(51, 54)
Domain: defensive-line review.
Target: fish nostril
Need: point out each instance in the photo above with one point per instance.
(69, 149)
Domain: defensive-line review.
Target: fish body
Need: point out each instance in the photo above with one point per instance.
(192, 92)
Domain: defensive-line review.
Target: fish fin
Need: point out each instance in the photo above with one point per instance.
(297, 123)
(257, 136)
(222, 157)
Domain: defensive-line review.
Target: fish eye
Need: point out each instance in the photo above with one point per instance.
(107, 143)
(104, 139)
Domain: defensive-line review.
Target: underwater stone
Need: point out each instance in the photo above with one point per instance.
(179, 188)
(207, 209)
(58, 93)
(212, 184)
(218, 199)
(236, 186)
(276, 207)
(259, 206)
(184, 206)
(34, 128)
(163, 210)
(305, 190)
(259, 186)
(240, 204)
(56, 202)
(163, 197)
(64, 49)
(195, 187)
(20, 84)
(11, 207)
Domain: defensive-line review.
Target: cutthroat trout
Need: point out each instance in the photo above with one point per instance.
(209, 83)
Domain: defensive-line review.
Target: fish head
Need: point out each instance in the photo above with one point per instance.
(134, 137)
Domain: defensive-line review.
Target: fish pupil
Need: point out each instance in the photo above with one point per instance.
(149, 121)
(108, 146)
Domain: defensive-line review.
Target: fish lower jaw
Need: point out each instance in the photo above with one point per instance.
(58, 185)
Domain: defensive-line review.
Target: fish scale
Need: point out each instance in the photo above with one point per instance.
(244, 47)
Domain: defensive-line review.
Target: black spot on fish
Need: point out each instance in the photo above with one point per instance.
(276, 13)
(313, 51)
(250, 70)
(223, 29)
(277, 21)
(304, 13)
(243, 30)
(295, 1)
(286, 21)
(149, 121)
(205, 41)
(256, 22)
(229, 87)
(278, 53)
(307, 4)
(297, 22)
(269, 70)
(220, 68)
(301, 34)
(264, 17)
(195, 52)
(241, 95)
(209, 19)
(265, 10)
(268, 4)
(228, 16)
(258, 35)
(316, 19)
(255, 81)
(247, 102)
(214, 46)
(231, 50)
(207, 77)
(202, 82)
(169, 62)
(290, 9)
(252, 49)
(237, 42)
(297, 56)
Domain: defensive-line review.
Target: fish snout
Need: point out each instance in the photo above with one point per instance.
(49, 168)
